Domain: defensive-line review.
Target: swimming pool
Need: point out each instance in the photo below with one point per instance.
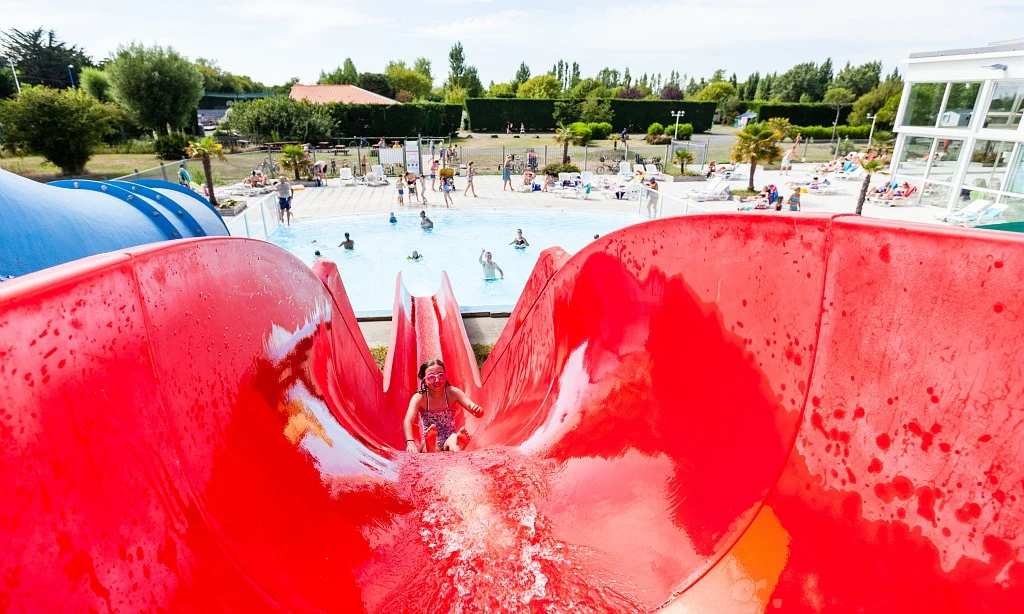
(453, 245)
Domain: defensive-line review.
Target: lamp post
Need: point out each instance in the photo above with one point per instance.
(677, 115)
(871, 133)
(71, 75)
(14, 72)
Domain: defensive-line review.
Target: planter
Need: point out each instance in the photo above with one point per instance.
(681, 178)
(774, 167)
(232, 211)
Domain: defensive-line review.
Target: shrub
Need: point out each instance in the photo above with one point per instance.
(634, 115)
(171, 146)
(655, 128)
(685, 131)
(802, 113)
(63, 126)
(554, 168)
(582, 132)
(819, 133)
(600, 130)
(596, 111)
(658, 139)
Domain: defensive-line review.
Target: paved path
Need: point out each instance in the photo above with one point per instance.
(335, 200)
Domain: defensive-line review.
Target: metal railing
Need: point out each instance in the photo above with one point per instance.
(653, 204)
(257, 221)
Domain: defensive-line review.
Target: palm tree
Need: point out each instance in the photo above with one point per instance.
(870, 166)
(294, 158)
(684, 157)
(781, 127)
(566, 136)
(204, 148)
(755, 142)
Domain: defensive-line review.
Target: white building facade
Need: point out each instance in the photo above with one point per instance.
(960, 134)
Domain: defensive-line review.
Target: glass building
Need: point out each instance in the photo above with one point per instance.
(960, 134)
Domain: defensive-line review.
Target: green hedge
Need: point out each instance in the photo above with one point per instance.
(427, 119)
(819, 133)
(537, 114)
(487, 114)
(801, 113)
(637, 115)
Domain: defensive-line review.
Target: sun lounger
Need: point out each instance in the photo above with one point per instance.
(718, 189)
(971, 210)
(345, 176)
(624, 170)
(990, 212)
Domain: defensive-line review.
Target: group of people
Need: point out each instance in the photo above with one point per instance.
(416, 187)
(769, 198)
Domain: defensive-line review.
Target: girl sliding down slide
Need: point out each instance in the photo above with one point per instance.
(434, 404)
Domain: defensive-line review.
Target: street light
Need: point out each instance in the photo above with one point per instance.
(677, 115)
(71, 75)
(871, 133)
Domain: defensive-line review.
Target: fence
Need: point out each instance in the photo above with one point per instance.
(257, 221)
(808, 150)
(653, 204)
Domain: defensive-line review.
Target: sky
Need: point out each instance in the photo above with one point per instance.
(272, 41)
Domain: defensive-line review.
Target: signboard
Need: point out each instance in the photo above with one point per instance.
(412, 157)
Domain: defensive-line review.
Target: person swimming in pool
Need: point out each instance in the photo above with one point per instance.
(425, 222)
(393, 219)
(490, 266)
(348, 243)
(438, 405)
(415, 256)
(520, 241)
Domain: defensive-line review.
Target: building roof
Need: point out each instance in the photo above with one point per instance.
(1000, 47)
(345, 94)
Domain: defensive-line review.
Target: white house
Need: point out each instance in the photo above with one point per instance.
(960, 135)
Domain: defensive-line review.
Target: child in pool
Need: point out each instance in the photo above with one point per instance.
(435, 405)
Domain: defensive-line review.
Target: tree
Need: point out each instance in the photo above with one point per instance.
(684, 157)
(217, 80)
(595, 110)
(456, 66)
(567, 111)
(294, 159)
(290, 120)
(859, 79)
(755, 142)
(780, 127)
(523, 74)
(204, 148)
(471, 81)
(156, 86)
(803, 79)
(96, 83)
(422, 66)
(376, 83)
(455, 95)
(873, 101)
(63, 126)
(630, 93)
(403, 78)
(838, 98)
(541, 86)
(7, 86)
(717, 92)
(501, 90)
(671, 92)
(870, 166)
(343, 75)
(566, 135)
(42, 59)
(589, 88)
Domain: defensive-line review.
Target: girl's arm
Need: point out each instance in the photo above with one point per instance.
(462, 399)
(410, 417)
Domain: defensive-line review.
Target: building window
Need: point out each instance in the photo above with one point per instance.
(988, 165)
(923, 104)
(947, 153)
(1005, 109)
(1015, 178)
(960, 105)
(914, 157)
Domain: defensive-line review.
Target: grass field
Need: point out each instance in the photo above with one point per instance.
(102, 166)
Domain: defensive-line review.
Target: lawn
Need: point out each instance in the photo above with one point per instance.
(101, 166)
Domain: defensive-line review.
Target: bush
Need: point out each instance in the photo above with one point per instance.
(171, 146)
(655, 128)
(554, 168)
(819, 133)
(582, 132)
(600, 130)
(658, 139)
(63, 126)
(595, 110)
(684, 134)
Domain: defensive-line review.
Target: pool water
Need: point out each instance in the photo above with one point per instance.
(453, 245)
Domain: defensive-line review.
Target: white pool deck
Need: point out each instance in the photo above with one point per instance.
(336, 200)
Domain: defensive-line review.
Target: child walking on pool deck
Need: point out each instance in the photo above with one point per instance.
(435, 405)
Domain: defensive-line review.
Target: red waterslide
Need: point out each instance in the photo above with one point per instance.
(716, 413)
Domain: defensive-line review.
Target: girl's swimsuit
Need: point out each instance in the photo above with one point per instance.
(443, 419)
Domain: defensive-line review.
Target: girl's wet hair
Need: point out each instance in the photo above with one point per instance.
(423, 372)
